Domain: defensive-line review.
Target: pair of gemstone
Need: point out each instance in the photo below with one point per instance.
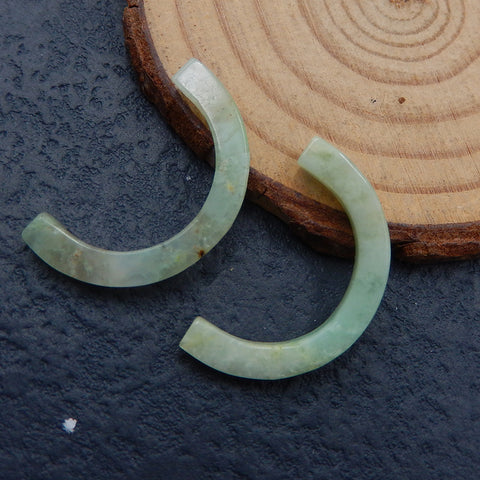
(51, 241)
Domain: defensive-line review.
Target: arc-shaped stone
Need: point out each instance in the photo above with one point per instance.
(276, 360)
(54, 244)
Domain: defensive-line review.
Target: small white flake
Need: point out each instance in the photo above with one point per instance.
(69, 425)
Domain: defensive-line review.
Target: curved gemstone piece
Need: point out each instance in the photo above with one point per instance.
(276, 360)
(54, 244)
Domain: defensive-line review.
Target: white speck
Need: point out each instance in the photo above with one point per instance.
(69, 425)
(188, 178)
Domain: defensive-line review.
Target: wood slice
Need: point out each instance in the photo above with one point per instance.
(391, 83)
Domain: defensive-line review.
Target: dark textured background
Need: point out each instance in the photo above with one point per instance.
(79, 140)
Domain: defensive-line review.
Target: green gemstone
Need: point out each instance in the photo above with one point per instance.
(52, 242)
(276, 360)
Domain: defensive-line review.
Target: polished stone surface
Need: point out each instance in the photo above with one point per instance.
(54, 244)
(276, 360)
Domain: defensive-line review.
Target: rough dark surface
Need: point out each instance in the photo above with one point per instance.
(79, 140)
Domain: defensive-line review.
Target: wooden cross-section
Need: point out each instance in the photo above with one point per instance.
(392, 84)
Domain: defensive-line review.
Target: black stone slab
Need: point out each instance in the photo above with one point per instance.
(78, 139)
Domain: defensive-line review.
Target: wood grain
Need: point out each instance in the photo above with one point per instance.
(391, 83)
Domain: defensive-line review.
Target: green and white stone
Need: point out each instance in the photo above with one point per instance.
(276, 360)
(52, 242)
